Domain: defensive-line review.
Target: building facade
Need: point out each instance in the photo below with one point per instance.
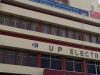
(86, 5)
(49, 37)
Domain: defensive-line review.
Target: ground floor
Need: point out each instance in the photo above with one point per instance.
(9, 74)
(31, 57)
(27, 62)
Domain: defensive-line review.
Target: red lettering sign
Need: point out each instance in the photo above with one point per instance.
(94, 14)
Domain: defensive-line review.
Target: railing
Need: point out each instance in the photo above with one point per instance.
(62, 6)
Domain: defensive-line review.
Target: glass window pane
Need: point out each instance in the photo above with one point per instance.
(23, 24)
(99, 39)
(39, 27)
(45, 62)
(34, 26)
(46, 29)
(54, 30)
(78, 35)
(78, 67)
(94, 38)
(22, 59)
(1, 55)
(91, 62)
(71, 34)
(17, 23)
(56, 57)
(32, 60)
(1, 19)
(91, 67)
(6, 20)
(56, 64)
(45, 56)
(87, 37)
(98, 69)
(69, 66)
(10, 57)
(12, 22)
(28, 26)
(63, 32)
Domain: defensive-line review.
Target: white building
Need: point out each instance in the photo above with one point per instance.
(49, 37)
(85, 4)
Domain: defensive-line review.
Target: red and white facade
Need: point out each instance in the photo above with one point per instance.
(37, 39)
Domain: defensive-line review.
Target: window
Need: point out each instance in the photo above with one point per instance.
(10, 59)
(1, 19)
(73, 65)
(39, 27)
(46, 29)
(99, 39)
(1, 55)
(78, 35)
(54, 30)
(17, 23)
(26, 25)
(34, 26)
(56, 62)
(98, 68)
(62, 32)
(91, 67)
(78, 65)
(23, 24)
(53, 62)
(87, 37)
(6, 20)
(22, 58)
(71, 34)
(93, 38)
(45, 61)
(70, 64)
(13, 22)
(32, 60)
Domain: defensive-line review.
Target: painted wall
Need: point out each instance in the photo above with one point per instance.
(85, 4)
(6, 68)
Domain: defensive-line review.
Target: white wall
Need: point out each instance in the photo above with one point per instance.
(85, 4)
(17, 69)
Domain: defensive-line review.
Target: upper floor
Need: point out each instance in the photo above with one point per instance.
(55, 8)
(55, 28)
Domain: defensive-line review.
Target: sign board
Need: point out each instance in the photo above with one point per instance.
(48, 47)
(94, 14)
(65, 50)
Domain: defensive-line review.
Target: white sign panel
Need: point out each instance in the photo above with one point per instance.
(48, 47)
(65, 50)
